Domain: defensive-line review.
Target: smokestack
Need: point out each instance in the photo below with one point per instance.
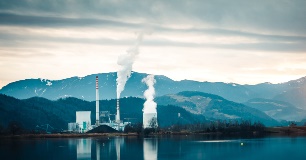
(126, 61)
(97, 101)
(118, 112)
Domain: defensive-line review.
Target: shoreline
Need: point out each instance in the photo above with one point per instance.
(68, 135)
(271, 131)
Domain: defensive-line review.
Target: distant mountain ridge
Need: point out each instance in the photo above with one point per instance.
(293, 92)
(214, 107)
(278, 110)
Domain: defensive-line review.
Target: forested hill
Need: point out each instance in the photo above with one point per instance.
(214, 107)
(40, 111)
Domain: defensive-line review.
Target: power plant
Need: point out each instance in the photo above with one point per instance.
(83, 122)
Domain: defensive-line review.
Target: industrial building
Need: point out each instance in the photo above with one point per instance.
(72, 127)
(83, 121)
(105, 120)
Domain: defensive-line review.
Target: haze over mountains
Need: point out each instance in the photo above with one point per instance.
(198, 101)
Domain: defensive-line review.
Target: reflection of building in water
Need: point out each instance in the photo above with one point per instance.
(97, 150)
(118, 142)
(150, 149)
(84, 149)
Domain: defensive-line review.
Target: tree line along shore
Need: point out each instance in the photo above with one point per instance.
(214, 128)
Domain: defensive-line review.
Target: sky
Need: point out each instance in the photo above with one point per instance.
(237, 41)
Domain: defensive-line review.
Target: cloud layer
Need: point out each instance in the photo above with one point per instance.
(202, 40)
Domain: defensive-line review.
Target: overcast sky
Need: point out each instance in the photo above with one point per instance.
(245, 42)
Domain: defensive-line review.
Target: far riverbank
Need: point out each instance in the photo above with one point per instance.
(289, 131)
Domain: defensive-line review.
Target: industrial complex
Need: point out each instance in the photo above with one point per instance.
(83, 124)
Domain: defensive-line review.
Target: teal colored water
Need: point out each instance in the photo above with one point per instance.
(173, 147)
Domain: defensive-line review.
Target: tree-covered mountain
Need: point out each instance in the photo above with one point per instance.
(84, 88)
(278, 110)
(58, 113)
(214, 107)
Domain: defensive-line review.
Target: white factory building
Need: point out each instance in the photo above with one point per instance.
(82, 123)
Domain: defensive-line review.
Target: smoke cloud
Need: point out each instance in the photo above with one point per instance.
(149, 105)
(126, 61)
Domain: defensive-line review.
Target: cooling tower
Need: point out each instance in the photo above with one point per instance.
(147, 120)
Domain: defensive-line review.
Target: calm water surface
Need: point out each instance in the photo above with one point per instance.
(173, 147)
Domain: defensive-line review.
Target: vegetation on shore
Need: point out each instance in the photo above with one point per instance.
(216, 127)
(15, 130)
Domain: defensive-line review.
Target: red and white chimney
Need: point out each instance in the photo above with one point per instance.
(97, 101)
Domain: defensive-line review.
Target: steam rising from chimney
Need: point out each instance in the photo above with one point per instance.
(149, 105)
(126, 61)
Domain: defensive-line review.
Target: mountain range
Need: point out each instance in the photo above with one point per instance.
(183, 108)
(214, 107)
(279, 110)
(56, 101)
(293, 92)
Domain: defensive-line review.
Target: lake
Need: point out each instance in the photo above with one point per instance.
(170, 147)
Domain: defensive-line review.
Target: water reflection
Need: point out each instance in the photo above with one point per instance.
(118, 142)
(84, 149)
(114, 148)
(169, 148)
(88, 148)
(150, 147)
(97, 150)
(186, 147)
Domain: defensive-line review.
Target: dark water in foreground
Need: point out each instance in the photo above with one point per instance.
(174, 147)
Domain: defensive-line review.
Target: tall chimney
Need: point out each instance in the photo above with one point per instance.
(118, 112)
(97, 101)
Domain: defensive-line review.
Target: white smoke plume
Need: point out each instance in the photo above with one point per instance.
(126, 61)
(149, 105)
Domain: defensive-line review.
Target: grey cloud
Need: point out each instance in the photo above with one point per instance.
(16, 40)
(282, 21)
(45, 21)
(263, 15)
(226, 32)
(275, 46)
